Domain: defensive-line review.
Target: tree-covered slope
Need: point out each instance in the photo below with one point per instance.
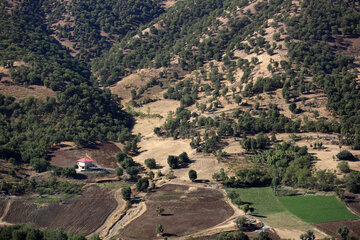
(81, 112)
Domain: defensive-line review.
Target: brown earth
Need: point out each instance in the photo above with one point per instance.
(102, 154)
(186, 210)
(82, 215)
(352, 201)
(331, 228)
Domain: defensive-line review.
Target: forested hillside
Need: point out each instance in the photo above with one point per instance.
(81, 111)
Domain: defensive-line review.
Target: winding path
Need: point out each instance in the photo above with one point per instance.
(7, 208)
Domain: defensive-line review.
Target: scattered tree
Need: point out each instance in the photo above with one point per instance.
(192, 175)
(150, 163)
(159, 210)
(159, 230)
(126, 193)
(119, 172)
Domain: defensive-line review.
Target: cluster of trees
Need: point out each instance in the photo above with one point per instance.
(29, 232)
(284, 164)
(324, 21)
(331, 71)
(93, 26)
(187, 125)
(178, 161)
(184, 91)
(66, 172)
(181, 36)
(45, 187)
(128, 164)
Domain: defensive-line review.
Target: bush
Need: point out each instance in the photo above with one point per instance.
(132, 171)
(39, 164)
(344, 167)
(120, 157)
(242, 223)
(119, 172)
(142, 184)
(184, 158)
(352, 182)
(192, 175)
(126, 193)
(345, 155)
(173, 161)
(150, 163)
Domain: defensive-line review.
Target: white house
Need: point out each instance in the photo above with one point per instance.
(84, 164)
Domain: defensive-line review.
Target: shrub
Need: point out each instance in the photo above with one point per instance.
(173, 161)
(120, 157)
(126, 193)
(345, 155)
(192, 175)
(142, 184)
(344, 167)
(352, 182)
(150, 163)
(119, 172)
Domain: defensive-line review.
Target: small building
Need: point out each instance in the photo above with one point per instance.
(84, 164)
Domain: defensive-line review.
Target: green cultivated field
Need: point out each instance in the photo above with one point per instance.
(270, 209)
(317, 209)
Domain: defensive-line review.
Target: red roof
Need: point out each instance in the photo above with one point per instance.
(85, 160)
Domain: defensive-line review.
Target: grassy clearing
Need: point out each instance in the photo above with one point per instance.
(43, 199)
(270, 210)
(114, 185)
(317, 209)
(165, 197)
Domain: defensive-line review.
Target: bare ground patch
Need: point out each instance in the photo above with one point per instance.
(186, 210)
(353, 202)
(133, 81)
(21, 92)
(83, 214)
(102, 154)
(331, 228)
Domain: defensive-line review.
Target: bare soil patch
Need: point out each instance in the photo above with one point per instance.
(133, 81)
(168, 3)
(102, 154)
(187, 210)
(331, 228)
(21, 92)
(352, 201)
(82, 215)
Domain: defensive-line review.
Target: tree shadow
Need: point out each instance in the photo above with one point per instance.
(258, 215)
(169, 235)
(167, 214)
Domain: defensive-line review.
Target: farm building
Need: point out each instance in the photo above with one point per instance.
(84, 164)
